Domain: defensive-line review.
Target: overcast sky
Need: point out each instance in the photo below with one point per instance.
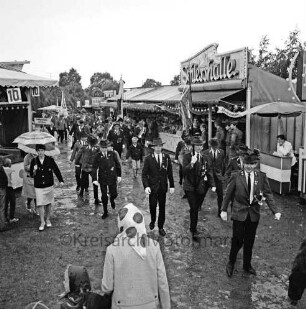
(139, 39)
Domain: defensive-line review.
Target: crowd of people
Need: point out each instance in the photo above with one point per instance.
(222, 164)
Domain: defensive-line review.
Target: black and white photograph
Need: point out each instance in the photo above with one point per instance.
(152, 154)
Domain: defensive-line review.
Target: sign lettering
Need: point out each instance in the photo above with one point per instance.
(208, 66)
(14, 95)
(35, 91)
(42, 121)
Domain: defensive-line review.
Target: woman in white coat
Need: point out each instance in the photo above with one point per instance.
(134, 271)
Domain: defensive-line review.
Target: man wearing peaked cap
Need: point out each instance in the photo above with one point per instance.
(247, 188)
(106, 171)
(156, 172)
(117, 137)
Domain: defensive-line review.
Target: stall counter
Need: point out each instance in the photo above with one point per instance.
(170, 140)
(278, 170)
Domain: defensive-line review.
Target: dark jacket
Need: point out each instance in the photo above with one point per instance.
(85, 157)
(193, 178)
(237, 190)
(43, 176)
(3, 178)
(77, 146)
(217, 164)
(234, 164)
(109, 168)
(156, 177)
(136, 153)
(117, 138)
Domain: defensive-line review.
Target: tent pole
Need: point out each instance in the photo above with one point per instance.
(248, 118)
(209, 123)
(28, 94)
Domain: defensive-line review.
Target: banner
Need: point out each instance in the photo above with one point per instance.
(185, 106)
(223, 110)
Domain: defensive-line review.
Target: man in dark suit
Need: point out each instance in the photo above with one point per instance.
(216, 156)
(198, 177)
(236, 163)
(156, 172)
(109, 175)
(247, 188)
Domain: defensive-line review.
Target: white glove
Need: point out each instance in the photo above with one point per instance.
(223, 215)
(175, 161)
(123, 146)
(119, 179)
(171, 190)
(148, 190)
(277, 216)
(194, 159)
(95, 182)
(213, 189)
(61, 184)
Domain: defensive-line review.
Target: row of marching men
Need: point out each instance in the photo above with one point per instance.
(246, 188)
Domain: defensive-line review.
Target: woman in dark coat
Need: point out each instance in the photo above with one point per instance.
(42, 169)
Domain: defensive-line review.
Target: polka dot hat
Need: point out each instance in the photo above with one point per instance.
(132, 227)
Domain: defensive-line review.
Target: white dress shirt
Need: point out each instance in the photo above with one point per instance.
(252, 184)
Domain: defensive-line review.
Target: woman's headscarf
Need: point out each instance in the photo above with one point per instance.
(132, 227)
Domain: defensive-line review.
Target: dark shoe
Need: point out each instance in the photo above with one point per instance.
(250, 271)
(97, 202)
(113, 205)
(105, 215)
(151, 225)
(219, 214)
(7, 228)
(195, 233)
(80, 195)
(294, 302)
(77, 188)
(229, 269)
(162, 232)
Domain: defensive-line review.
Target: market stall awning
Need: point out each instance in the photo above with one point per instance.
(130, 94)
(12, 78)
(205, 97)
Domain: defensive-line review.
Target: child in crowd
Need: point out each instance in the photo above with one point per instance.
(135, 151)
(10, 193)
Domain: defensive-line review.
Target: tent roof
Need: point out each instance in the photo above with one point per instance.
(267, 87)
(128, 95)
(13, 78)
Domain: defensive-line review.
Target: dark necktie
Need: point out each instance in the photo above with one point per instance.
(158, 160)
(214, 156)
(198, 157)
(249, 183)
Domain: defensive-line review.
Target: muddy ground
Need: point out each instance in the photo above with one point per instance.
(32, 263)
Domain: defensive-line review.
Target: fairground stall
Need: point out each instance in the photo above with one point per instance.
(224, 85)
(16, 90)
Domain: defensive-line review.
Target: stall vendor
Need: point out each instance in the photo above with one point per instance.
(284, 149)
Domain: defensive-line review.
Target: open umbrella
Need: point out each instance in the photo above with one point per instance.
(35, 137)
(51, 150)
(28, 141)
(274, 109)
(50, 108)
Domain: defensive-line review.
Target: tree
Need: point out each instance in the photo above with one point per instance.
(175, 81)
(100, 82)
(67, 78)
(278, 62)
(151, 83)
